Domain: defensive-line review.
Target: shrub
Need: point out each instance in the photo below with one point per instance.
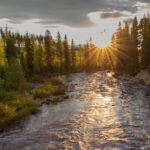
(60, 90)
(7, 95)
(57, 99)
(44, 91)
(5, 112)
(41, 93)
(22, 102)
(26, 86)
(16, 109)
(56, 81)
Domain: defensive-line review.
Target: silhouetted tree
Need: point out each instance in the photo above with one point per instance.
(134, 40)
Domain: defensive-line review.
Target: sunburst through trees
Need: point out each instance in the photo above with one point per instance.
(128, 51)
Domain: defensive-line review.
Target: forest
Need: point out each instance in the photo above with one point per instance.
(23, 58)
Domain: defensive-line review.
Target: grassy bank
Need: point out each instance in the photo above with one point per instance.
(15, 105)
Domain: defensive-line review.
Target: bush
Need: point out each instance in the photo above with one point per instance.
(44, 91)
(60, 90)
(22, 102)
(56, 81)
(5, 112)
(41, 93)
(16, 109)
(57, 99)
(7, 96)
(26, 86)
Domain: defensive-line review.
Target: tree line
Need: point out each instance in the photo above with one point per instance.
(22, 56)
(128, 51)
(132, 46)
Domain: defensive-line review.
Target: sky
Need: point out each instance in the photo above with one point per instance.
(79, 19)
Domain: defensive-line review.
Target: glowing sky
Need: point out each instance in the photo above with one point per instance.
(79, 19)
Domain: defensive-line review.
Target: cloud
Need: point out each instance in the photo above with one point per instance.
(65, 12)
(115, 14)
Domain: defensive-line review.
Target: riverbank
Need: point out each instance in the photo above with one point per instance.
(28, 98)
(142, 77)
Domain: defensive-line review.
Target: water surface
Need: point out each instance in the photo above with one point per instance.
(101, 113)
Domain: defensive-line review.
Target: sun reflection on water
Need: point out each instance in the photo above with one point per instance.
(106, 99)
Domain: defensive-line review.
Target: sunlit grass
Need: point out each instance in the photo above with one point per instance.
(18, 108)
(53, 86)
(15, 105)
(44, 91)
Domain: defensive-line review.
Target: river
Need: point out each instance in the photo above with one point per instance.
(102, 113)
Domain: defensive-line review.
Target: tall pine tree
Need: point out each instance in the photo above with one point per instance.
(48, 49)
(29, 56)
(73, 55)
(59, 46)
(66, 55)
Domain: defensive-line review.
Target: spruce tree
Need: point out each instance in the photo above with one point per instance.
(118, 48)
(59, 46)
(126, 50)
(145, 28)
(66, 55)
(134, 42)
(29, 51)
(48, 49)
(40, 52)
(73, 54)
(80, 54)
(86, 56)
(10, 49)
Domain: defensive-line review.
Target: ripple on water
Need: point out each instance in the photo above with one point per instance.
(101, 113)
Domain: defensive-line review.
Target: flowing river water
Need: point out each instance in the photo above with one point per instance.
(102, 113)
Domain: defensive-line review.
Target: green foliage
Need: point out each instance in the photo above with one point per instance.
(56, 80)
(66, 55)
(3, 59)
(59, 90)
(73, 55)
(41, 93)
(16, 109)
(14, 75)
(59, 46)
(54, 86)
(10, 49)
(3, 71)
(29, 51)
(48, 49)
(44, 91)
(26, 86)
(7, 95)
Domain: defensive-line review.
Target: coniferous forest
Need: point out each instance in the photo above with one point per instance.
(23, 58)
